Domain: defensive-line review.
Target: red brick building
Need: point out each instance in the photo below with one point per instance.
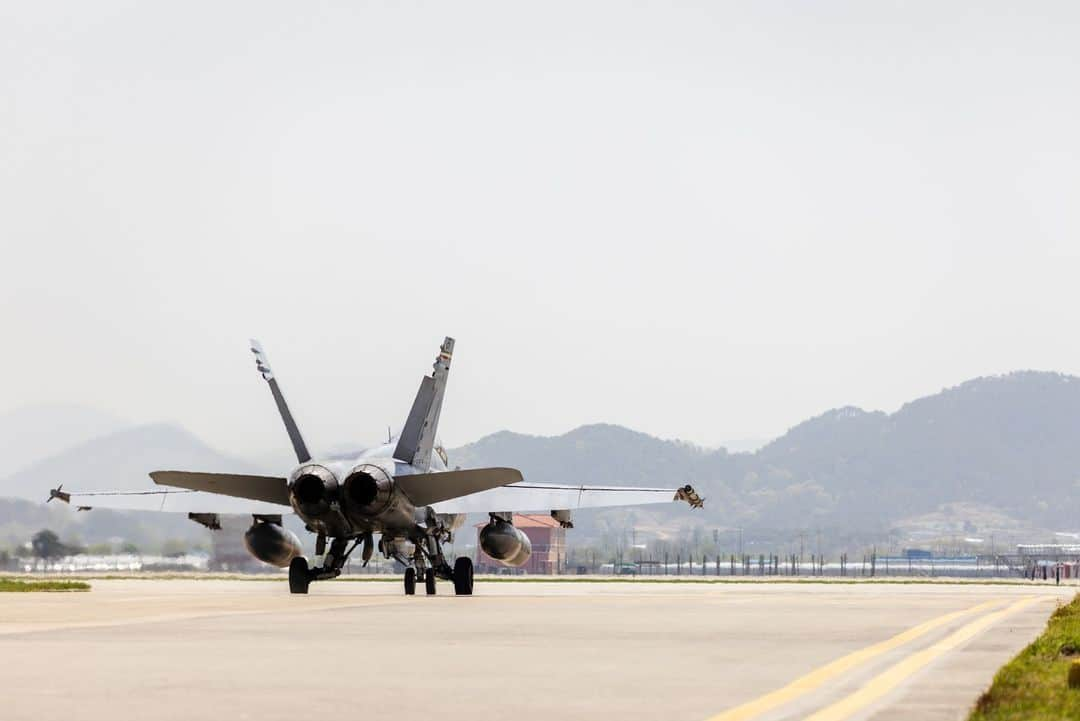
(548, 540)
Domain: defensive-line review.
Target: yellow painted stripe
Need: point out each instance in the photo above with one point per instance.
(892, 677)
(814, 679)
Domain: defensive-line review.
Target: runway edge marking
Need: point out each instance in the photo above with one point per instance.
(887, 680)
(818, 677)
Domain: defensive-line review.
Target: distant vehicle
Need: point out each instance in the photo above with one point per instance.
(402, 490)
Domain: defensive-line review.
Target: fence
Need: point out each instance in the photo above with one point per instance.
(870, 565)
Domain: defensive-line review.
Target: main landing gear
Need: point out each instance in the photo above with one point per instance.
(300, 576)
(420, 552)
(462, 576)
(422, 555)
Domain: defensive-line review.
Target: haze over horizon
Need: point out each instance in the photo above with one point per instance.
(699, 222)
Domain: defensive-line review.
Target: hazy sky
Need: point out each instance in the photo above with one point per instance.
(702, 220)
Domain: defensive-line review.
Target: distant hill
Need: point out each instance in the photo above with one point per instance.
(608, 454)
(598, 453)
(120, 461)
(20, 519)
(31, 433)
(1011, 442)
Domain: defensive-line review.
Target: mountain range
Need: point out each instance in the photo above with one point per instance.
(31, 433)
(1008, 444)
(1002, 448)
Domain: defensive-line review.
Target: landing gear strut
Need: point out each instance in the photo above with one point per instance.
(425, 560)
(300, 576)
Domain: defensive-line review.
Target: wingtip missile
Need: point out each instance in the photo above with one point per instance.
(688, 494)
(58, 494)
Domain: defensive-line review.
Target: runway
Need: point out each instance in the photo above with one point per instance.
(182, 649)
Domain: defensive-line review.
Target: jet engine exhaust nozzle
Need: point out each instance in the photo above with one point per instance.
(368, 489)
(312, 488)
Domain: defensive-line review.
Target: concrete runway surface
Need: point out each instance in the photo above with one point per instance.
(232, 649)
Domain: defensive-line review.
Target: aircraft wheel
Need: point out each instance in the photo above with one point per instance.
(299, 577)
(463, 576)
(410, 581)
(429, 582)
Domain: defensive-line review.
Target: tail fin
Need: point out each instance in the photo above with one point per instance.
(263, 364)
(418, 437)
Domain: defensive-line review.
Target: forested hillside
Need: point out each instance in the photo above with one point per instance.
(1012, 442)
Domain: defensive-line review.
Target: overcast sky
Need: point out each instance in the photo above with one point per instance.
(701, 220)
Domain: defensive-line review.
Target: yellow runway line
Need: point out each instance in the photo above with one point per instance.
(892, 677)
(818, 677)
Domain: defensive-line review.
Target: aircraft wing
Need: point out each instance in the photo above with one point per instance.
(174, 501)
(184, 492)
(544, 497)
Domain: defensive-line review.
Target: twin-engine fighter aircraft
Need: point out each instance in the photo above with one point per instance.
(401, 490)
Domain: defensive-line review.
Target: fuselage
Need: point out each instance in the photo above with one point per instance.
(352, 495)
(383, 455)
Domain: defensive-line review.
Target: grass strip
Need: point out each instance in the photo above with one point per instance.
(18, 585)
(1034, 685)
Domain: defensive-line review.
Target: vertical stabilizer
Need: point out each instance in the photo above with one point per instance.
(263, 364)
(417, 439)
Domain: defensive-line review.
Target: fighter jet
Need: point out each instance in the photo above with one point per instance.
(402, 491)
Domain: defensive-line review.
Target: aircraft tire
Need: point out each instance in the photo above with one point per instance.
(410, 581)
(429, 582)
(463, 576)
(299, 577)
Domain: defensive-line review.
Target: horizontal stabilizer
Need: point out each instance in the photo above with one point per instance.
(271, 489)
(425, 489)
